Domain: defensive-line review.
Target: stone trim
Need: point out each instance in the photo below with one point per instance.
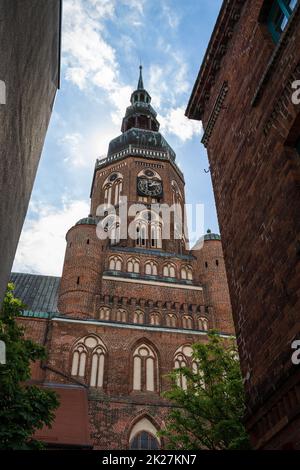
(218, 106)
(137, 327)
(223, 31)
(150, 282)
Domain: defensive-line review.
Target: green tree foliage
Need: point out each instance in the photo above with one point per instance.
(209, 413)
(23, 408)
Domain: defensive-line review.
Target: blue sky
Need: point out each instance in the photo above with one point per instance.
(103, 42)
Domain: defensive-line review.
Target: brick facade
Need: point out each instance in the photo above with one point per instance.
(243, 94)
(127, 307)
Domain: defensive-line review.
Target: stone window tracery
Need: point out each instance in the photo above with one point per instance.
(145, 369)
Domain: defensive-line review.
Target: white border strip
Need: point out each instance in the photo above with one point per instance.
(136, 327)
(153, 283)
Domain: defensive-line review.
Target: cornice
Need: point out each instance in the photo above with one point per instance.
(218, 45)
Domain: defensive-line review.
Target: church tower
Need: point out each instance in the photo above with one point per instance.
(132, 301)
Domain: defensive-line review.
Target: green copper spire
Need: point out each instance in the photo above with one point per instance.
(140, 84)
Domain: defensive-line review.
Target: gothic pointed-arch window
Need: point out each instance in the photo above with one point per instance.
(115, 263)
(187, 322)
(138, 317)
(169, 270)
(154, 318)
(145, 369)
(133, 265)
(121, 315)
(113, 185)
(187, 273)
(143, 436)
(171, 320)
(144, 441)
(88, 359)
(114, 234)
(141, 234)
(104, 313)
(79, 360)
(203, 323)
(118, 189)
(108, 193)
(184, 358)
(151, 268)
(97, 367)
(156, 236)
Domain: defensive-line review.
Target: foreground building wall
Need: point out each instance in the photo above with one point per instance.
(243, 94)
(29, 75)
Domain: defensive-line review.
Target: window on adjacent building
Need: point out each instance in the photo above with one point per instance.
(279, 15)
(298, 146)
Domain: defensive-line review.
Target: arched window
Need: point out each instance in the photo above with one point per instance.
(144, 441)
(79, 360)
(133, 265)
(169, 270)
(138, 317)
(202, 323)
(97, 368)
(184, 358)
(171, 320)
(156, 236)
(115, 263)
(187, 322)
(104, 313)
(107, 193)
(187, 273)
(144, 436)
(151, 268)
(89, 350)
(118, 188)
(145, 370)
(141, 234)
(113, 183)
(148, 227)
(114, 234)
(121, 315)
(154, 318)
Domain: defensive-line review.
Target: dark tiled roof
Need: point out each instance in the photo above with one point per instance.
(38, 293)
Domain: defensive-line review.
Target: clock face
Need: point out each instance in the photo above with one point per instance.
(149, 187)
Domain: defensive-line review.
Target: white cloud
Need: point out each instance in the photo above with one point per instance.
(81, 150)
(175, 122)
(172, 18)
(42, 244)
(90, 61)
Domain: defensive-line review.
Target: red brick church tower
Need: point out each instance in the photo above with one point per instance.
(129, 306)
